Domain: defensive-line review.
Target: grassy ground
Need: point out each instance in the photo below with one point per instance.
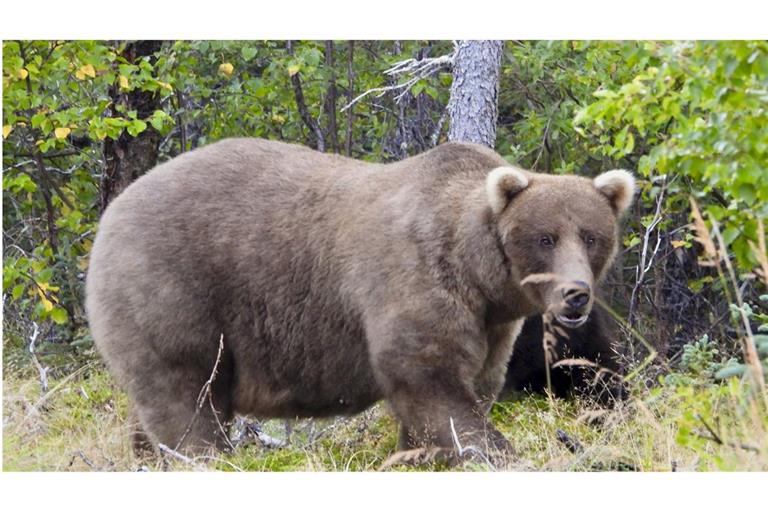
(79, 424)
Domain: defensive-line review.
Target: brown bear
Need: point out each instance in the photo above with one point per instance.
(335, 283)
(594, 341)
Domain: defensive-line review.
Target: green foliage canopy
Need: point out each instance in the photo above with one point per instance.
(688, 116)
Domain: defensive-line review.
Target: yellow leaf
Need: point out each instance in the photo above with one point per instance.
(61, 132)
(293, 69)
(41, 289)
(277, 118)
(47, 287)
(123, 81)
(678, 243)
(7, 130)
(47, 305)
(165, 85)
(82, 263)
(226, 68)
(85, 71)
(22, 73)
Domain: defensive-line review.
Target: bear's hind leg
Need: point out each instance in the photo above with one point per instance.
(182, 412)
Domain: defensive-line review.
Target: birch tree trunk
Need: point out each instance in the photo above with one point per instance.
(473, 106)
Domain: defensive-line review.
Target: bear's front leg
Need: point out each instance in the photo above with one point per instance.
(501, 342)
(427, 371)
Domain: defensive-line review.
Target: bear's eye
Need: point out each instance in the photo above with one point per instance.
(590, 240)
(546, 241)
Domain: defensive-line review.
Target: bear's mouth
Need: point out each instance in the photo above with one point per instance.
(572, 320)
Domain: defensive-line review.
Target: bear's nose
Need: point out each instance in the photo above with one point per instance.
(576, 295)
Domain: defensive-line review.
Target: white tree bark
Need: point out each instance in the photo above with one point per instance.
(473, 106)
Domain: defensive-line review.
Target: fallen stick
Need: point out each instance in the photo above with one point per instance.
(164, 449)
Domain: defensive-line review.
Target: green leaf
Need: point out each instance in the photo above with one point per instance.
(746, 192)
(730, 234)
(629, 145)
(17, 291)
(633, 241)
(605, 93)
(159, 119)
(312, 57)
(248, 52)
(59, 315)
(136, 127)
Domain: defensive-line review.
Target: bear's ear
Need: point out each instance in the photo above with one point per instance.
(618, 186)
(502, 184)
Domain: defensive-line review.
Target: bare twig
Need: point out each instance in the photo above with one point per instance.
(206, 395)
(164, 449)
(646, 260)
(42, 370)
(714, 436)
(461, 451)
(80, 455)
(246, 431)
(417, 69)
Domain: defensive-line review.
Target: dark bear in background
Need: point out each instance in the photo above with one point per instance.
(594, 341)
(317, 285)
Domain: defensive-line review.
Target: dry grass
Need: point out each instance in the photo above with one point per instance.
(80, 426)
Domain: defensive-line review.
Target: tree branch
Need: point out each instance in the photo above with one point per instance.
(417, 69)
(301, 104)
(330, 98)
(350, 88)
(206, 395)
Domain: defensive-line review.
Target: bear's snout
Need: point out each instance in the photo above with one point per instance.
(577, 295)
(576, 304)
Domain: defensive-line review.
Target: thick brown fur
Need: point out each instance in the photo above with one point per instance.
(334, 282)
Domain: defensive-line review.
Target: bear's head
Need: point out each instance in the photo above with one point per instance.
(559, 234)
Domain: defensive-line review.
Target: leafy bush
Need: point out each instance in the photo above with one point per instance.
(734, 368)
(699, 116)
